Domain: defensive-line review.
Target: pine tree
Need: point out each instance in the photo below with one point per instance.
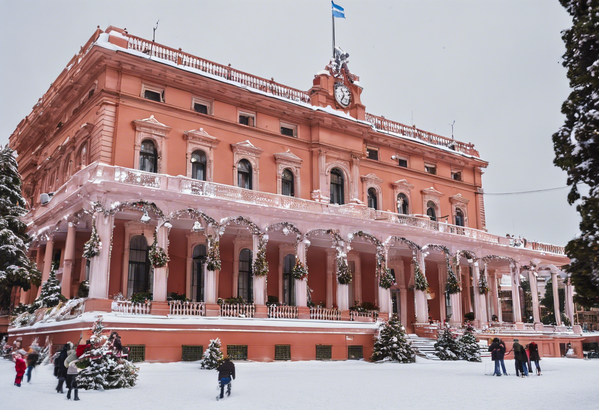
(469, 349)
(103, 367)
(212, 357)
(16, 269)
(50, 295)
(447, 347)
(392, 344)
(576, 144)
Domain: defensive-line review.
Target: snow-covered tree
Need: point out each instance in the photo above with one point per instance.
(213, 356)
(469, 349)
(447, 346)
(576, 144)
(103, 366)
(16, 269)
(392, 344)
(50, 295)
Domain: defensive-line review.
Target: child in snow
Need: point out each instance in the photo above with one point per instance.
(20, 367)
(226, 370)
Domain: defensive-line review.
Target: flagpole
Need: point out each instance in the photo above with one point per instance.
(333, 18)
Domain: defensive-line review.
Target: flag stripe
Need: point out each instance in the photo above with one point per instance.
(338, 11)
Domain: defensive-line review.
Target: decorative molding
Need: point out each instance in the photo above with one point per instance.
(288, 160)
(200, 139)
(246, 150)
(152, 129)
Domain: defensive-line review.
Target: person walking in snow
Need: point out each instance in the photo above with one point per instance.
(226, 371)
(32, 358)
(20, 366)
(72, 371)
(60, 370)
(520, 358)
(497, 352)
(533, 352)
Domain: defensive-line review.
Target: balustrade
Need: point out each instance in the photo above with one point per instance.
(181, 308)
(319, 313)
(237, 310)
(283, 312)
(128, 307)
(367, 316)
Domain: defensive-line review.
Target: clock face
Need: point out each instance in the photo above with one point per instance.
(342, 94)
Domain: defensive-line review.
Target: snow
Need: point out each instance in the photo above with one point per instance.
(426, 384)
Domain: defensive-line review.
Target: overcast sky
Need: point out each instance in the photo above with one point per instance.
(492, 66)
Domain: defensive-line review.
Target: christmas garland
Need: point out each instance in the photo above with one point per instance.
(260, 267)
(213, 258)
(343, 273)
(420, 282)
(483, 287)
(453, 285)
(300, 271)
(157, 255)
(386, 279)
(92, 247)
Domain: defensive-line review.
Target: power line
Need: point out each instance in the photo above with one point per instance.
(526, 192)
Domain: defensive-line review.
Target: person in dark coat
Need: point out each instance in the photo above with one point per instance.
(32, 359)
(520, 358)
(60, 368)
(533, 354)
(226, 371)
(497, 349)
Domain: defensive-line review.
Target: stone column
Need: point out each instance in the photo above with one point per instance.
(100, 265)
(403, 295)
(480, 299)
(569, 293)
(69, 260)
(301, 286)
(331, 280)
(499, 277)
(355, 177)
(384, 295)
(494, 293)
(259, 281)
(554, 279)
(517, 310)
(161, 274)
(420, 295)
(48, 255)
(442, 269)
(534, 290)
(211, 281)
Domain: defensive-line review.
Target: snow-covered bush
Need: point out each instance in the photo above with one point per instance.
(392, 344)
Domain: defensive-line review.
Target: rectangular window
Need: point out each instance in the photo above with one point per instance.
(324, 352)
(202, 106)
(191, 353)
(282, 352)
(289, 130)
(137, 353)
(372, 153)
(456, 175)
(247, 118)
(430, 168)
(402, 162)
(237, 352)
(355, 352)
(152, 93)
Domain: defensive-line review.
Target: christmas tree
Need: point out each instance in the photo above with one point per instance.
(469, 349)
(392, 344)
(103, 365)
(212, 356)
(16, 269)
(50, 295)
(447, 347)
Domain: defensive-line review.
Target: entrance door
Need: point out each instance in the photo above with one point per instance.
(396, 302)
(197, 277)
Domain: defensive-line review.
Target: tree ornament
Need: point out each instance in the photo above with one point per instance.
(213, 262)
(260, 267)
(300, 271)
(420, 282)
(156, 254)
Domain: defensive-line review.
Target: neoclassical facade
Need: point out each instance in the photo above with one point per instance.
(279, 211)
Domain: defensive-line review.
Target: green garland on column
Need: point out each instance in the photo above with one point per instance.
(344, 276)
(92, 247)
(420, 282)
(260, 267)
(157, 255)
(386, 279)
(300, 271)
(453, 285)
(213, 262)
(483, 286)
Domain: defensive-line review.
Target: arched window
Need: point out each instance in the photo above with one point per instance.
(288, 281)
(459, 217)
(337, 194)
(245, 281)
(148, 157)
(139, 266)
(198, 165)
(197, 277)
(431, 210)
(372, 201)
(287, 183)
(244, 174)
(403, 205)
(83, 156)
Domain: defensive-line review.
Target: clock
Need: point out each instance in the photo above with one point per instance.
(342, 95)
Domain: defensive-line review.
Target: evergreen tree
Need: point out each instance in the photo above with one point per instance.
(469, 349)
(50, 295)
(16, 269)
(576, 144)
(212, 357)
(547, 302)
(447, 347)
(392, 344)
(103, 366)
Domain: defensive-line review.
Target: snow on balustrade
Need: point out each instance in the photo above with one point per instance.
(368, 316)
(283, 312)
(128, 307)
(546, 247)
(186, 308)
(319, 313)
(237, 310)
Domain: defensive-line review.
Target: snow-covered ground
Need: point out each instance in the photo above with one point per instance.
(565, 384)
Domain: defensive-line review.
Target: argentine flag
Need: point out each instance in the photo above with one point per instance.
(338, 11)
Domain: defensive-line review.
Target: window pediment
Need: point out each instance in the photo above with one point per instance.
(432, 192)
(402, 184)
(458, 199)
(372, 178)
(288, 158)
(246, 148)
(152, 126)
(201, 137)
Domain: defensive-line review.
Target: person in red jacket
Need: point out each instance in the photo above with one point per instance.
(20, 367)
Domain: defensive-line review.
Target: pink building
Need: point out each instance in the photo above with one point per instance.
(240, 179)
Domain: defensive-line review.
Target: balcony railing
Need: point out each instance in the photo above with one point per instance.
(237, 310)
(100, 172)
(283, 312)
(368, 316)
(180, 308)
(131, 308)
(319, 313)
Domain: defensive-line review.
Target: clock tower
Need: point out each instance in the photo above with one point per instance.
(337, 87)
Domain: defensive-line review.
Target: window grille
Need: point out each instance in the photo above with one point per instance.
(282, 352)
(191, 353)
(372, 153)
(402, 162)
(237, 352)
(324, 352)
(355, 353)
(137, 353)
